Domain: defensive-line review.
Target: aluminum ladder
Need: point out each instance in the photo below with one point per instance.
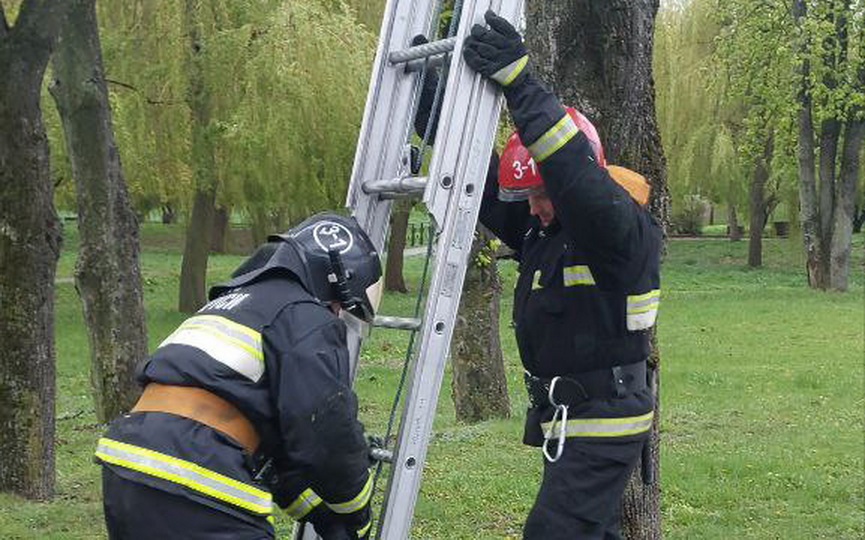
(452, 190)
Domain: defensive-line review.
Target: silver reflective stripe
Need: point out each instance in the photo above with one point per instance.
(355, 504)
(643, 310)
(227, 342)
(578, 275)
(554, 138)
(507, 74)
(303, 504)
(605, 427)
(184, 473)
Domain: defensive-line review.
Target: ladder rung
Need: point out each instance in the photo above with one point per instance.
(397, 323)
(408, 184)
(423, 51)
(418, 65)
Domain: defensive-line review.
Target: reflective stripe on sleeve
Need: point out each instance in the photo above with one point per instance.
(185, 473)
(303, 504)
(365, 529)
(578, 275)
(554, 138)
(355, 504)
(507, 74)
(227, 342)
(604, 427)
(643, 310)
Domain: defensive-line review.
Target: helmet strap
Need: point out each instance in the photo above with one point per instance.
(339, 282)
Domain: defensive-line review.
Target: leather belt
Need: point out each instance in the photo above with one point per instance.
(202, 406)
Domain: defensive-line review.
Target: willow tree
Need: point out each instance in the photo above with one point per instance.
(597, 55)
(287, 147)
(107, 274)
(29, 248)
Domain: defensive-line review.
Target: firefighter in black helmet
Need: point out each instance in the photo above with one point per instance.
(248, 402)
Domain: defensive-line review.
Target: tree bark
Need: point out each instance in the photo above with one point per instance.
(733, 230)
(219, 236)
(196, 249)
(30, 238)
(393, 276)
(808, 201)
(479, 387)
(844, 211)
(597, 54)
(758, 205)
(107, 273)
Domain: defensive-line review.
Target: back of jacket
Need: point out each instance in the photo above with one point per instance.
(278, 354)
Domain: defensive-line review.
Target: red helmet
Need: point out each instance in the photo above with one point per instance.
(518, 173)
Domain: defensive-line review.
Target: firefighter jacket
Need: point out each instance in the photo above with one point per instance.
(266, 345)
(588, 285)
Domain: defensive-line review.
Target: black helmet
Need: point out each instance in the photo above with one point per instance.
(339, 259)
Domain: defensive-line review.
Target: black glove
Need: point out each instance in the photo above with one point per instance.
(427, 97)
(497, 52)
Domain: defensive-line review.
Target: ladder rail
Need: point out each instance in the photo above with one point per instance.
(452, 192)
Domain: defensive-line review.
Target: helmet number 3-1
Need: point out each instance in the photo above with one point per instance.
(333, 236)
(520, 169)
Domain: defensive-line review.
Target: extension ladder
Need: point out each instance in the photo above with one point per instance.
(452, 190)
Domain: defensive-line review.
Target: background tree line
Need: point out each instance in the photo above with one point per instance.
(761, 104)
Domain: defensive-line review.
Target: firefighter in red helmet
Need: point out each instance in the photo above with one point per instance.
(586, 296)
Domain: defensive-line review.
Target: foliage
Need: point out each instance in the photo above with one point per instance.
(288, 84)
(688, 216)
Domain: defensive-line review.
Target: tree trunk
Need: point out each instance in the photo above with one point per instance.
(168, 215)
(480, 391)
(393, 276)
(30, 239)
(107, 273)
(597, 54)
(733, 230)
(193, 272)
(808, 202)
(196, 249)
(219, 236)
(758, 205)
(844, 212)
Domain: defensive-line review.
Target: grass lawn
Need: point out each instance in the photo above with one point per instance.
(761, 415)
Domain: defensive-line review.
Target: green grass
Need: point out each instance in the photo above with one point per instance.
(761, 414)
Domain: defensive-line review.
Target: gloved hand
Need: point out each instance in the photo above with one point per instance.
(497, 52)
(427, 97)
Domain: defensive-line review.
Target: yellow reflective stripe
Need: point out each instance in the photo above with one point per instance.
(604, 427)
(363, 530)
(578, 275)
(184, 473)
(536, 280)
(507, 74)
(554, 138)
(225, 341)
(270, 519)
(303, 504)
(654, 293)
(228, 331)
(355, 504)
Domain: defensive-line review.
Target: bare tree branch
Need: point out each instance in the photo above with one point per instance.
(147, 100)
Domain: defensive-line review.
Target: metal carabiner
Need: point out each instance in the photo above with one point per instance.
(560, 417)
